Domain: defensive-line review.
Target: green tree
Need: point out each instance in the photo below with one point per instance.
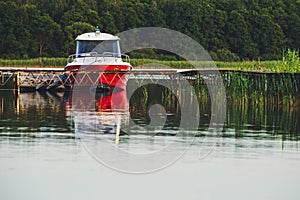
(184, 16)
(267, 34)
(54, 8)
(249, 29)
(291, 27)
(80, 12)
(238, 35)
(13, 41)
(45, 30)
(72, 31)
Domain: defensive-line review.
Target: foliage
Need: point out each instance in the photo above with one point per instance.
(289, 63)
(291, 60)
(34, 62)
(230, 30)
(226, 55)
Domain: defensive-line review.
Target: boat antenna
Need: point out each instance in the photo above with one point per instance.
(97, 31)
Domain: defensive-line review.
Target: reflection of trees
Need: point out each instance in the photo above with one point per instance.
(146, 96)
(248, 112)
(260, 102)
(32, 112)
(7, 102)
(254, 113)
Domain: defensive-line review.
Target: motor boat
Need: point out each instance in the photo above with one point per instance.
(98, 62)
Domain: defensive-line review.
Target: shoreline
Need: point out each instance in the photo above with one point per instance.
(21, 68)
(273, 66)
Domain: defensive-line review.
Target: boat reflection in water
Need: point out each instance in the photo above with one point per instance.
(98, 115)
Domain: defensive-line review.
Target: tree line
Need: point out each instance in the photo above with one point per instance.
(230, 30)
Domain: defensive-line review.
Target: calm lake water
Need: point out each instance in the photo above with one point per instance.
(67, 146)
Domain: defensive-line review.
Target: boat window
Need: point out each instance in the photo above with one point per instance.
(108, 47)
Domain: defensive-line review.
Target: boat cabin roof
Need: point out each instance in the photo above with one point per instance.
(96, 36)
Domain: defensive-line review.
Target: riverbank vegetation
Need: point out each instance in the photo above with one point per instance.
(290, 62)
(230, 30)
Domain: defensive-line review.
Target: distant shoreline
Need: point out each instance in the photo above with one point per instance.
(262, 66)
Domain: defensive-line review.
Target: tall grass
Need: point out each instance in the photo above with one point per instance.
(291, 60)
(34, 62)
(290, 63)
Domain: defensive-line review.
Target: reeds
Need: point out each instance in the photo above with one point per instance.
(268, 84)
(291, 60)
(34, 62)
(290, 63)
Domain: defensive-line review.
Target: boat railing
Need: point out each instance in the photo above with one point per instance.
(126, 57)
(96, 56)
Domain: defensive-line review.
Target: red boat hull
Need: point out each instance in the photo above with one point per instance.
(107, 75)
(107, 102)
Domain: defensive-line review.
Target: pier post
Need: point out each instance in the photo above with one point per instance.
(17, 81)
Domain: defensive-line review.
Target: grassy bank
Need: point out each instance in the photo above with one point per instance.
(289, 63)
(270, 66)
(34, 62)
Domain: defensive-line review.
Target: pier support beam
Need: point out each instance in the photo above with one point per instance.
(9, 81)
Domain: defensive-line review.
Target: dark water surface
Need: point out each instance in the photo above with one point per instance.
(257, 155)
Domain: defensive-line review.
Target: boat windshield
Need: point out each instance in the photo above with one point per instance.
(89, 48)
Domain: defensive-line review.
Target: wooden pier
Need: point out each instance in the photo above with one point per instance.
(32, 79)
(25, 79)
